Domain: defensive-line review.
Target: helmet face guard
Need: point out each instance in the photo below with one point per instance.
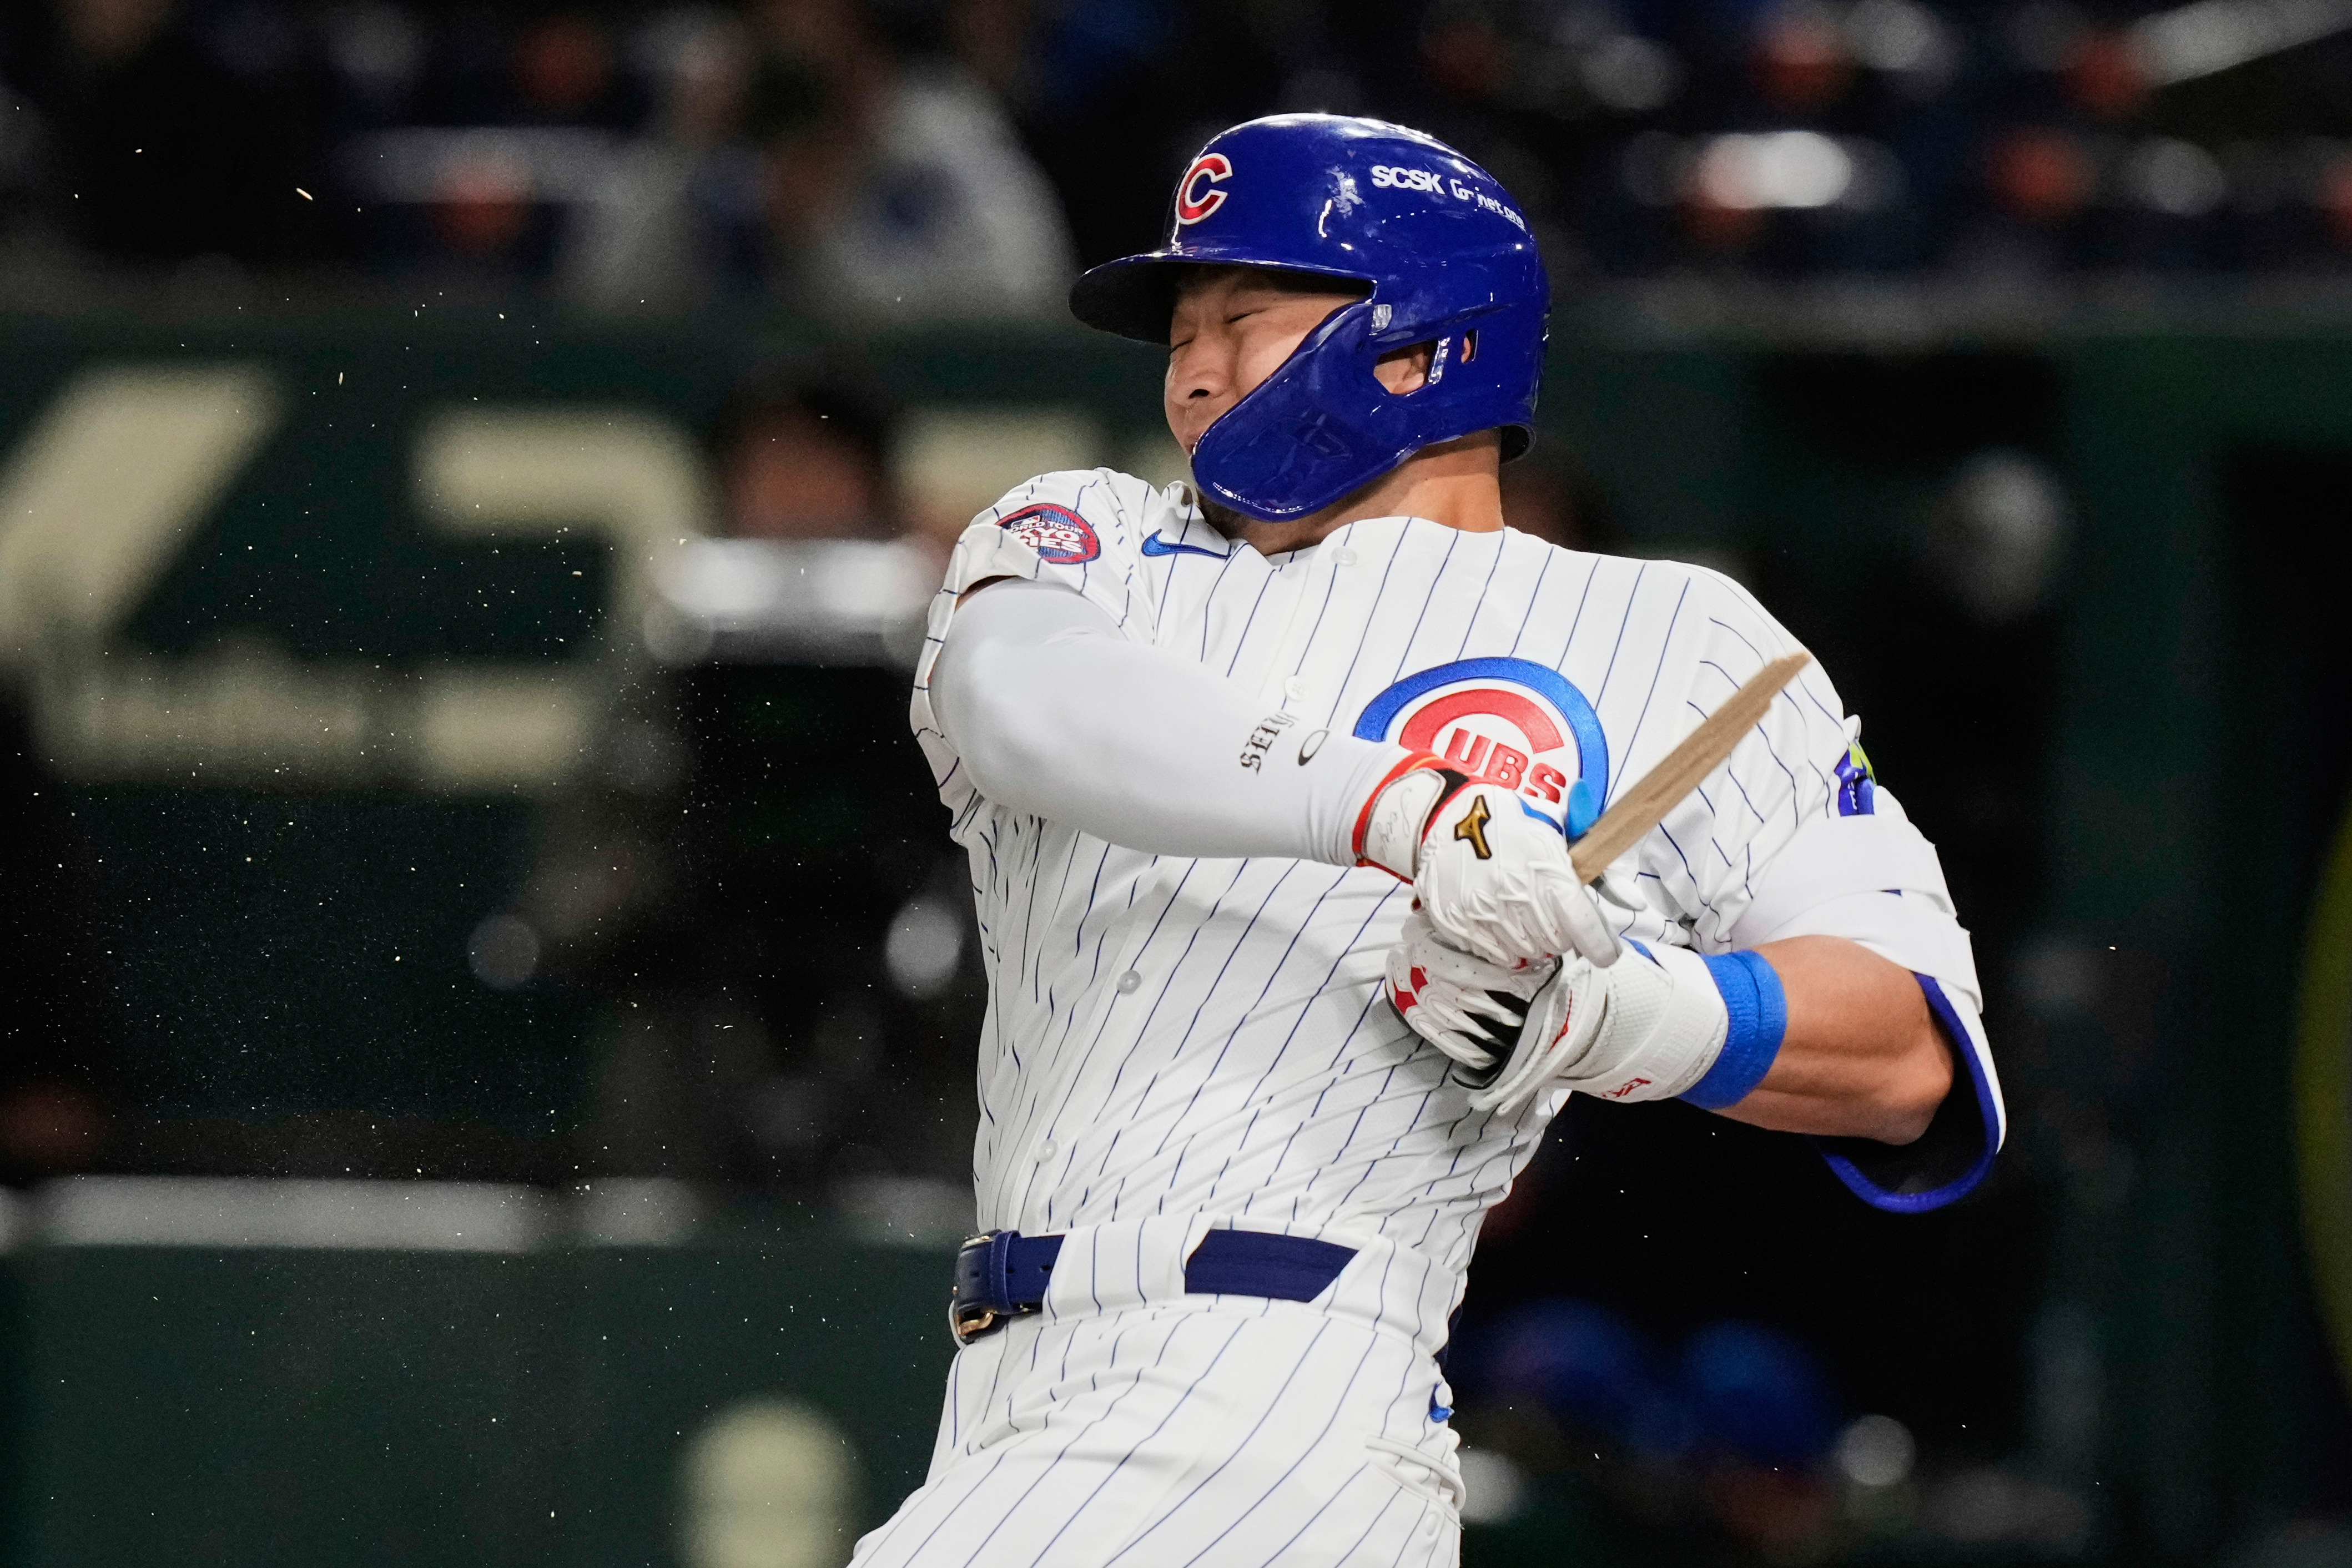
(1448, 260)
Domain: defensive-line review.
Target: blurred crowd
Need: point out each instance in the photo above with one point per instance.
(881, 158)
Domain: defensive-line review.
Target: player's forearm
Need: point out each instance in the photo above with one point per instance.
(1053, 712)
(1862, 1056)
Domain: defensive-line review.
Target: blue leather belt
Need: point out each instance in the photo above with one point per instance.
(1002, 1274)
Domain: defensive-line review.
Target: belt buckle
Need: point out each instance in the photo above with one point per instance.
(968, 1321)
(967, 1329)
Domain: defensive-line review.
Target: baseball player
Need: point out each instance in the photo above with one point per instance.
(1268, 787)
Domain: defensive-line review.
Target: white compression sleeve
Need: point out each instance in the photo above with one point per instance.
(1054, 712)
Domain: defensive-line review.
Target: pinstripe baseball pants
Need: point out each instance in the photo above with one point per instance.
(1162, 1429)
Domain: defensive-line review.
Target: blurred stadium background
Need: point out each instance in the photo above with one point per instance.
(486, 992)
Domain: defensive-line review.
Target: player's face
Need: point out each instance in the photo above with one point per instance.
(1234, 327)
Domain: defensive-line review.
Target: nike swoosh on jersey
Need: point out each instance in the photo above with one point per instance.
(1154, 544)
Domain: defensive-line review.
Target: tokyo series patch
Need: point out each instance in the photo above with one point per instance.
(1058, 535)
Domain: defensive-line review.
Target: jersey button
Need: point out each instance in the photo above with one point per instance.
(1129, 983)
(1046, 1151)
(1294, 689)
(1343, 555)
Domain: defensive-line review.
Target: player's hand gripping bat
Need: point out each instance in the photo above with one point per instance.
(1657, 792)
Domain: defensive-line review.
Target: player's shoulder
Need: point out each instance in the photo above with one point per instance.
(1085, 527)
(1712, 584)
(1690, 589)
(1726, 634)
(1644, 580)
(1107, 502)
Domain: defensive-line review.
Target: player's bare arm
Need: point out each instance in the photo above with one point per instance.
(1862, 1057)
(1858, 1053)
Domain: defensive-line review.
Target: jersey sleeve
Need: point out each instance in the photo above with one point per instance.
(1793, 836)
(1082, 528)
(1709, 850)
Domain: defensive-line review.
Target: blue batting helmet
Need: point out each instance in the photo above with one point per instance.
(1447, 256)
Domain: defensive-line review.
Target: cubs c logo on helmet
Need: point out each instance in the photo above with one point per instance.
(1196, 196)
(1512, 722)
(1058, 535)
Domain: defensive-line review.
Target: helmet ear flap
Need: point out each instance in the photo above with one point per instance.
(1283, 451)
(1324, 425)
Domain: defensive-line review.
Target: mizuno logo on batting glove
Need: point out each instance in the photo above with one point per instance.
(1495, 877)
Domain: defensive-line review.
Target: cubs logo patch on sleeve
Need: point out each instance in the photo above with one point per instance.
(1058, 535)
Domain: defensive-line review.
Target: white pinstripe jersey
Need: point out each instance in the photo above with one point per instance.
(1171, 1036)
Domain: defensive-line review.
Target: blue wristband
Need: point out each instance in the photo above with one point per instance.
(1760, 1016)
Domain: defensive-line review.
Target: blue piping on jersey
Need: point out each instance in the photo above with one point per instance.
(1964, 1046)
(1154, 544)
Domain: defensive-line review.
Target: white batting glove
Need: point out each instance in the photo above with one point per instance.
(1494, 880)
(1647, 1029)
(1467, 1007)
